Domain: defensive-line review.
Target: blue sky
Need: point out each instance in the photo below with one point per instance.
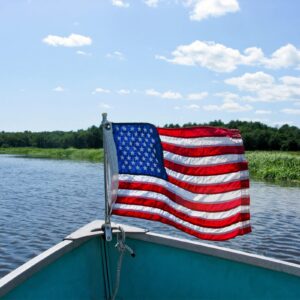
(63, 63)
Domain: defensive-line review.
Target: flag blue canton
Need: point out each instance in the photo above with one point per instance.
(139, 149)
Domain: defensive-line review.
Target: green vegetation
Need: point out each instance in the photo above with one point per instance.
(81, 139)
(94, 155)
(280, 167)
(269, 165)
(256, 136)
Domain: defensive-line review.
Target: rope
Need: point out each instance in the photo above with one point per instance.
(122, 247)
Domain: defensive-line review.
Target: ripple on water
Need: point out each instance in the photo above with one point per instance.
(42, 201)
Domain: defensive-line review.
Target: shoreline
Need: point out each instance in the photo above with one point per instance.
(92, 155)
(278, 167)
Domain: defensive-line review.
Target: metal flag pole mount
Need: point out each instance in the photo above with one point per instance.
(107, 225)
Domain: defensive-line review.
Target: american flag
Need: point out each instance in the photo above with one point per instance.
(195, 179)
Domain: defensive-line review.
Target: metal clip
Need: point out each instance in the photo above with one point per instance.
(120, 245)
(107, 232)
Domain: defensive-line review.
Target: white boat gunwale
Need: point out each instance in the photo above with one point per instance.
(85, 233)
(222, 252)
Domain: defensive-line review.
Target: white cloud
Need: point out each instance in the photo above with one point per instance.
(232, 106)
(251, 82)
(228, 106)
(152, 92)
(116, 55)
(164, 95)
(105, 106)
(101, 90)
(59, 89)
(176, 95)
(83, 53)
(151, 3)
(263, 112)
(171, 95)
(193, 107)
(123, 92)
(210, 55)
(120, 3)
(197, 96)
(264, 87)
(227, 96)
(290, 80)
(284, 57)
(220, 58)
(73, 40)
(291, 111)
(202, 9)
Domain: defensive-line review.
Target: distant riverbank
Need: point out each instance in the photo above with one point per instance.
(93, 155)
(275, 166)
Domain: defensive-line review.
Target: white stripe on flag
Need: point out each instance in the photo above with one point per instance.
(204, 141)
(189, 196)
(157, 211)
(211, 179)
(204, 161)
(192, 213)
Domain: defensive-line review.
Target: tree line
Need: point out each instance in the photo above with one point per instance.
(256, 136)
(259, 136)
(90, 138)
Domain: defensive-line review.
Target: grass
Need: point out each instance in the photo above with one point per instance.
(275, 166)
(278, 167)
(94, 155)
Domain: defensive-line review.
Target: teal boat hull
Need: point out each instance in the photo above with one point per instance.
(84, 265)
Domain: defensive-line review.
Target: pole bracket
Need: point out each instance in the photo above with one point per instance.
(107, 231)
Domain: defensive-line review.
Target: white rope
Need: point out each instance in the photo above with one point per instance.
(122, 247)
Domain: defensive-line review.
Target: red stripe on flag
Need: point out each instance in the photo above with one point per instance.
(205, 131)
(203, 151)
(209, 207)
(211, 188)
(156, 217)
(212, 223)
(223, 187)
(206, 170)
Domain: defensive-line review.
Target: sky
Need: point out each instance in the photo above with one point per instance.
(64, 63)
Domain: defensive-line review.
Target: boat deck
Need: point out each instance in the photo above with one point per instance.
(84, 265)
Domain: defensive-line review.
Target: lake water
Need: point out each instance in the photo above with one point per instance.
(42, 201)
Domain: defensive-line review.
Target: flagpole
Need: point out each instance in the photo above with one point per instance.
(107, 225)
